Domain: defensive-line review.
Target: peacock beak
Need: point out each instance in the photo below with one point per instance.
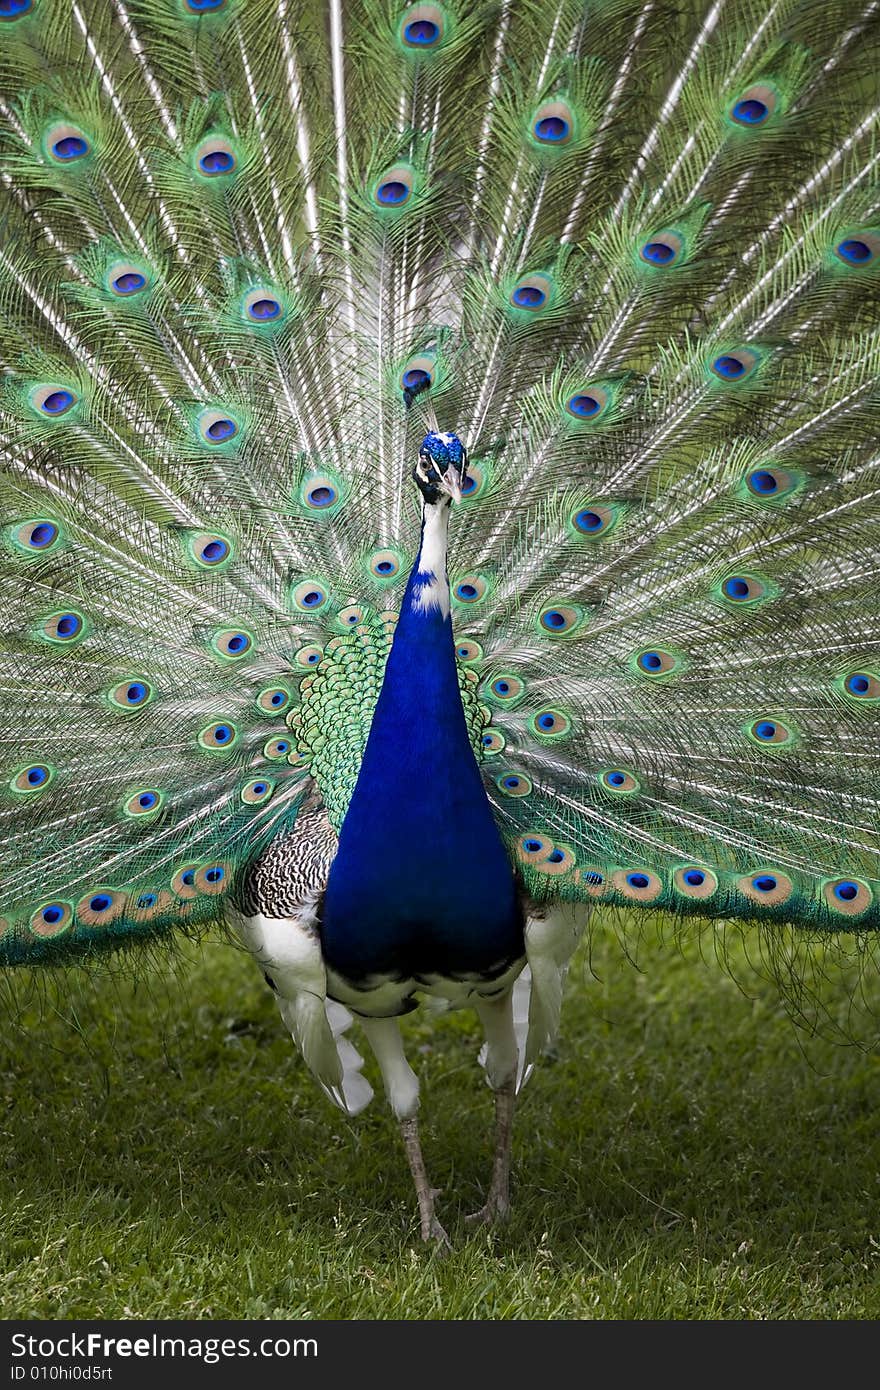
(451, 484)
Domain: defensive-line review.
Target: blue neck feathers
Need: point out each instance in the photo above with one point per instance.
(421, 883)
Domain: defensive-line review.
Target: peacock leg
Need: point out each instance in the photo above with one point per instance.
(496, 1016)
(402, 1090)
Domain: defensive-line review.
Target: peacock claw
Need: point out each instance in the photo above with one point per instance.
(433, 1231)
(494, 1211)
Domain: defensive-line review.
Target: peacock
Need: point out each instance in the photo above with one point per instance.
(440, 494)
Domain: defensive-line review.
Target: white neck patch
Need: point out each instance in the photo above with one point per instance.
(434, 593)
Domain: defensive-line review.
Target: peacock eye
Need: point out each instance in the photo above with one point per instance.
(257, 792)
(14, 9)
(34, 778)
(67, 144)
(309, 656)
(768, 888)
(553, 124)
(858, 251)
(656, 662)
(664, 249)
(384, 564)
(619, 781)
(217, 427)
(62, 628)
(310, 596)
(215, 159)
(531, 293)
(394, 188)
(470, 589)
(693, 881)
(848, 897)
(53, 401)
(770, 733)
(232, 643)
(862, 685)
(276, 698)
(422, 28)
(144, 803)
(51, 918)
(550, 724)
(131, 694)
(514, 784)
(219, 736)
(260, 306)
(557, 620)
(209, 550)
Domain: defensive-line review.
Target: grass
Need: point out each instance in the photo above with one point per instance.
(686, 1154)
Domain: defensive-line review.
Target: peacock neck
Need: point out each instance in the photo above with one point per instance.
(420, 860)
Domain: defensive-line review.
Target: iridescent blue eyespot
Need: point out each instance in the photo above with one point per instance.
(70, 147)
(765, 729)
(322, 496)
(36, 776)
(204, 6)
(765, 883)
(511, 783)
(100, 902)
(532, 846)
(737, 588)
(14, 9)
(131, 693)
(423, 33)
(264, 310)
(219, 430)
(651, 661)
(638, 880)
(217, 162)
(553, 619)
(855, 251)
(858, 684)
(555, 856)
(846, 891)
(466, 592)
(147, 800)
(42, 535)
(188, 877)
(657, 252)
(215, 874)
(552, 130)
(58, 402)
(763, 481)
(501, 687)
(416, 378)
(136, 692)
(588, 521)
(312, 598)
(750, 112)
(393, 193)
(729, 367)
(528, 296)
(146, 901)
(214, 551)
(53, 913)
(694, 877)
(129, 282)
(616, 779)
(547, 721)
(584, 407)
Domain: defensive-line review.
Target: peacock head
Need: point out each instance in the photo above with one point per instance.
(441, 468)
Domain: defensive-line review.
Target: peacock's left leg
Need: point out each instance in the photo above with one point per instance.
(402, 1090)
(496, 1016)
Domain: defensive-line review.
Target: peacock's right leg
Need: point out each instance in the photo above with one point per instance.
(502, 1056)
(402, 1090)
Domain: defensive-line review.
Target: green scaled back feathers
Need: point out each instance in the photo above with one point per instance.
(631, 252)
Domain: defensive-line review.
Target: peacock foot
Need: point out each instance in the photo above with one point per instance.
(494, 1211)
(432, 1231)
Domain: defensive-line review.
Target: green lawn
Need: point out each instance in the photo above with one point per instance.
(688, 1153)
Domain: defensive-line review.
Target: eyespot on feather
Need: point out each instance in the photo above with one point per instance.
(148, 801)
(258, 791)
(421, 28)
(219, 736)
(51, 918)
(309, 656)
(769, 888)
(735, 366)
(694, 881)
(619, 782)
(592, 881)
(100, 907)
(214, 878)
(209, 549)
(277, 748)
(63, 629)
(740, 590)
(275, 699)
(262, 307)
(35, 777)
(132, 693)
(559, 860)
(310, 596)
(504, 689)
(594, 520)
(514, 784)
(655, 662)
(384, 565)
(66, 144)
(559, 619)
(53, 401)
(470, 589)
(532, 848)
(217, 427)
(467, 651)
(861, 685)
(36, 536)
(184, 882)
(321, 492)
(848, 897)
(550, 724)
(532, 293)
(417, 374)
(754, 107)
(125, 280)
(14, 9)
(639, 885)
(662, 250)
(350, 616)
(394, 189)
(553, 125)
(144, 905)
(232, 643)
(769, 732)
(215, 158)
(492, 741)
(588, 404)
(858, 250)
